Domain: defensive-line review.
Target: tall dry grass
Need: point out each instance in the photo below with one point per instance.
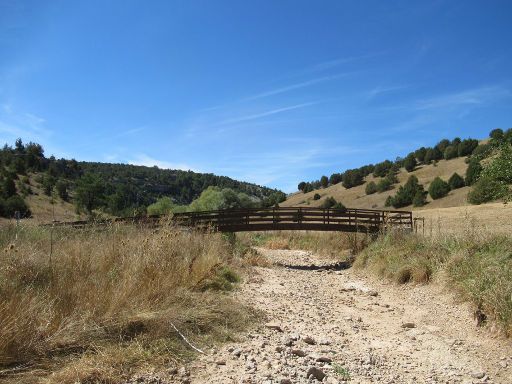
(100, 304)
(478, 265)
(327, 244)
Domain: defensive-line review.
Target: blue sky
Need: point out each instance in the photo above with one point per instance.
(271, 92)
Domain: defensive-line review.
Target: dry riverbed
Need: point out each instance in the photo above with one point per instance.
(337, 326)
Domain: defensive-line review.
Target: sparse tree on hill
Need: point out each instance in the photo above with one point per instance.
(391, 176)
(455, 142)
(466, 147)
(410, 162)
(508, 136)
(384, 185)
(62, 189)
(8, 187)
(381, 169)
(335, 178)
(406, 193)
(89, 192)
(482, 150)
(497, 136)
(301, 186)
(420, 199)
(371, 188)
(450, 152)
(352, 178)
(438, 188)
(473, 172)
(420, 154)
(329, 202)
(441, 146)
(324, 181)
(456, 181)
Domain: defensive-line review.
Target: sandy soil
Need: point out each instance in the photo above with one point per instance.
(341, 324)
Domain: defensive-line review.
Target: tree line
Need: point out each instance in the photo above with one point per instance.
(116, 189)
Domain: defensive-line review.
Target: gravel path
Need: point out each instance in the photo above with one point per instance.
(337, 326)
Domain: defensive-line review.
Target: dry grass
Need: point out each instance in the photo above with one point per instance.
(357, 198)
(327, 244)
(101, 305)
(476, 264)
(485, 218)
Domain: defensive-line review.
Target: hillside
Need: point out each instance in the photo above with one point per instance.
(356, 197)
(30, 182)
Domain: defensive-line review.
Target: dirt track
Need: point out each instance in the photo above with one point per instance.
(347, 325)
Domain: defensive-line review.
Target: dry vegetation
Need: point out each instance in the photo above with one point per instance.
(476, 264)
(356, 197)
(327, 244)
(488, 218)
(100, 306)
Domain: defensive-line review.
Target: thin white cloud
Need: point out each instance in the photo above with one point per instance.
(328, 64)
(266, 113)
(28, 126)
(472, 97)
(292, 87)
(148, 161)
(379, 90)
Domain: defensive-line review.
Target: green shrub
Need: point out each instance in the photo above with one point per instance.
(420, 199)
(391, 176)
(371, 188)
(162, 206)
(316, 196)
(450, 152)
(352, 178)
(329, 202)
(497, 137)
(438, 188)
(420, 154)
(485, 190)
(62, 189)
(410, 162)
(339, 207)
(466, 147)
(473, 172)
(335, 178)
(482, 151)
(500, 168)
(495, 179)
(456, 181)
(381, 169)
(9, 206)
(406, 193)
(433, 154)
(384, 185)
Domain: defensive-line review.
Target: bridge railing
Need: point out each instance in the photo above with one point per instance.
(294, 218)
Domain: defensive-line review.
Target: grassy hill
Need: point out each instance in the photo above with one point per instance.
(356, 197)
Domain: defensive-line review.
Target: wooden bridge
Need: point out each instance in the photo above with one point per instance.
(271, 219)
(293, 218)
